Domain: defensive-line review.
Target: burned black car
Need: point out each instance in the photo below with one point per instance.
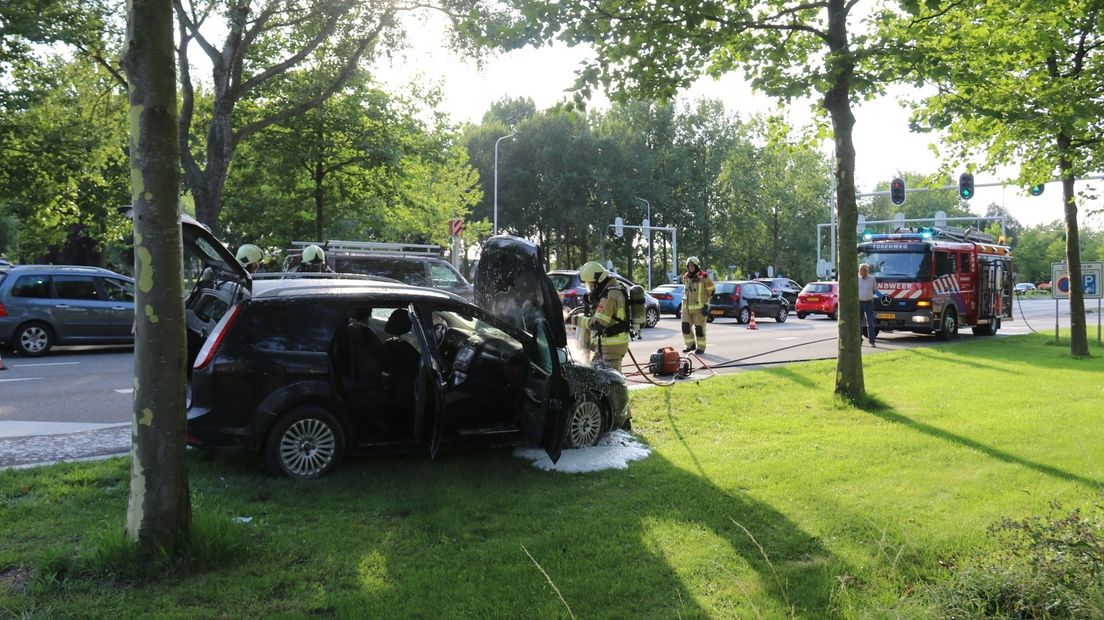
(307, 370)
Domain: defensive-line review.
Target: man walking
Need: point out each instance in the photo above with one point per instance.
(868, 291)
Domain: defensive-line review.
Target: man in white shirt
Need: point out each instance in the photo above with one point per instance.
(868, 291)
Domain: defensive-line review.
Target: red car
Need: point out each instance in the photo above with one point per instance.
(818, 298)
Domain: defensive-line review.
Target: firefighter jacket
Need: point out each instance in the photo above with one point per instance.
(699, 290)
(610, 323)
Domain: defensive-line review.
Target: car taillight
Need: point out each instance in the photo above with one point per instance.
(573, 294)
(207, 353)
(663, 296)
(3, 310)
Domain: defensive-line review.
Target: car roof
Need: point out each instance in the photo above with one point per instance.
(62, 269)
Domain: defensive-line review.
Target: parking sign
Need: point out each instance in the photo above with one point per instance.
(1091, 275)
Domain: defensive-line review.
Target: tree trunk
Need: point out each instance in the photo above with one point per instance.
(1079, 341)
(849, 369)
(159, 508)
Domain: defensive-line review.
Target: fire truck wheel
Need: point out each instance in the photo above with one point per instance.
(948, 325)
(989, 329)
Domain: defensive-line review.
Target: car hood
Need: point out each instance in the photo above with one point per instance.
(511, 285)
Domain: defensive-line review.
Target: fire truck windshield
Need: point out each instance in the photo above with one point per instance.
(898, 265)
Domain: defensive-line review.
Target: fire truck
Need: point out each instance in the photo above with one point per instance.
(936, 280)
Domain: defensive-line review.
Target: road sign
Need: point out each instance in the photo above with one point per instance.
(1092, 280)
(456, 227)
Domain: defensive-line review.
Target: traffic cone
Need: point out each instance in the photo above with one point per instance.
(751, 324)
(2, 366)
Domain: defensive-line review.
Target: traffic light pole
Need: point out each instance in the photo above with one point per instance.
(670, 229)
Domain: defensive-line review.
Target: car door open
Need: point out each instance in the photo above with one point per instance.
(547, 397)
(428, 389)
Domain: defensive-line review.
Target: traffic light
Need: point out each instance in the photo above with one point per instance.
(1037, 190)
(897, 191)
(966, 186)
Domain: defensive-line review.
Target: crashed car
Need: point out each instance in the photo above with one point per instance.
(306, 370)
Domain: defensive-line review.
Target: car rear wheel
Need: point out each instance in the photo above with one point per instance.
(834, 314)
(651, 317)
(801, 315)
(744, 315)
(585, 424)
(306, 443)
(33, 339)
(783, 314)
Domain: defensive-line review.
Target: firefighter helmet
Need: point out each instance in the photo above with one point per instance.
(249, 255)
(313, 255)
(593, 271)
(695, 261)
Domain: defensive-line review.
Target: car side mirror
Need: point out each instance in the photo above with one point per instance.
(562, 355)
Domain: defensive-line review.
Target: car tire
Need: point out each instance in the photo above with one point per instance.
(783, 314)
(33, 339)
(678, 310)
(651, 317)
(586, 423)
(306, 443)
(743, 315)
(948, 324)
(834, 314)
(801, 315)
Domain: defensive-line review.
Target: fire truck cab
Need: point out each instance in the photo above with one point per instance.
(934, 281)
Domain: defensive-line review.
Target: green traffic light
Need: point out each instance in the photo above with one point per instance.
(1037, 190)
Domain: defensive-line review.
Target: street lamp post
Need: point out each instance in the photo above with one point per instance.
(510, 135)
(648, 230)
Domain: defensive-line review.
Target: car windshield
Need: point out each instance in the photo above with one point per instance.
(726, 287)
(562, 281)
(902, 265)
(817, 288)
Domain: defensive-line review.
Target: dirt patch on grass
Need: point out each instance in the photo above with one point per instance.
(15, 579)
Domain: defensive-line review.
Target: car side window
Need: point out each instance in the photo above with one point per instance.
(762, 292)
(299, 327)
(443, 275)
(37, 287)
(118, 290)
(76, 287)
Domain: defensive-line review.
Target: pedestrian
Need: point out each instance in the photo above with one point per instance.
(868, 292)
(313, 261)
(698, 290)
(608, 325)
(250, 257)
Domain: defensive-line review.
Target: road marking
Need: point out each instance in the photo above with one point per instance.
(23, 379)
(126, 391)
(46, 364)
(789, 338)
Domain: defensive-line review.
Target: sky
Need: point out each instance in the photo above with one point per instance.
(884, 145)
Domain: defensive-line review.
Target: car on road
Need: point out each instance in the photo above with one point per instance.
(416, 264)
(669, 297)
(46, 305)
(783, 286)
(1043, 286)
(819, 298)
(741, 299)
(307, 369)
(1023, 287)
(571, 291)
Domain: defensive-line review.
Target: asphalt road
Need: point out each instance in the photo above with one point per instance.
(84, 388)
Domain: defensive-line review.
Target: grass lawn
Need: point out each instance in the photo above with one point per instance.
(763, 497)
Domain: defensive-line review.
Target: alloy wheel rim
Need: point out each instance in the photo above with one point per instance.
(308, 447)
(33, 339)
(586, 423)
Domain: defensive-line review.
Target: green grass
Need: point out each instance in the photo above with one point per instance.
(764, 497)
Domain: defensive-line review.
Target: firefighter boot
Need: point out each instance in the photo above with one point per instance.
(687, 337)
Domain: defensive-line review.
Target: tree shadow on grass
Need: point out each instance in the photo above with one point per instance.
(945, 355)
(881, 410)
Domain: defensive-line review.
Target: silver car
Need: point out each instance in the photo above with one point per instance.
(46, 305)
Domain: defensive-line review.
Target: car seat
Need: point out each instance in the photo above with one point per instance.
(403, 358)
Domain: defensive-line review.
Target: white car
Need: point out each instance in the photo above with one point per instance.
(1023, 287)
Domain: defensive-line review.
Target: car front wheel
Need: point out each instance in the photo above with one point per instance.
(585, 424)
(33, 339)
(651, 317)
(834, 314)
(306, 443)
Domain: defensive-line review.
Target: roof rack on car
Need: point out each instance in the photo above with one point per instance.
(419, 249)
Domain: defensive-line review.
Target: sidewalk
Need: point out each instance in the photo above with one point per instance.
(102, 442)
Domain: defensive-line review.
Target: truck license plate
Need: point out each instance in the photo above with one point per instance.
(886, 315)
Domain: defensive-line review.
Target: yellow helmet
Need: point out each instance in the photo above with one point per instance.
(592, 272)
(249, 255)
(313, 255)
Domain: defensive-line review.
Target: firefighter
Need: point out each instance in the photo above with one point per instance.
(250, 257)
(608, 326)
(695, 304)
(313, 260)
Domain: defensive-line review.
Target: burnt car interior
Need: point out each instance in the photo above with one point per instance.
(378, 356)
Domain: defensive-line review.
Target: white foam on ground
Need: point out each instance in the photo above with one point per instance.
(614, 451)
